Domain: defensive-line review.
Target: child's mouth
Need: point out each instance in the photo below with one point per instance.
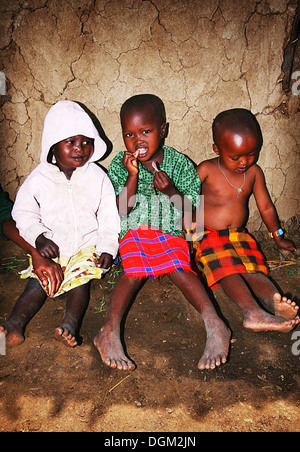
(142, 152)
(78, 159)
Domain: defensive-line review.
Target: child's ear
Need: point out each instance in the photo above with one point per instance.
(164, 129)
(216, 149)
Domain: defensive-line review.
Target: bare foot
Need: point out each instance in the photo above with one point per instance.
(111, 350)
(284, 307)
(14, 334)
(64, 336)
(263, 321)
(217, 347)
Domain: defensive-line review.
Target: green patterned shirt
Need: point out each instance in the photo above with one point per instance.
(153, 208)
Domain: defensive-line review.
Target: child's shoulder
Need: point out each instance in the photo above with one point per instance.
(36, 174)
(206, 167)
(256, 169)
(117, 159)
(172, 151)
(209, 163)
(118, 156)
(175, 158)
(257, 174)
(95, 170)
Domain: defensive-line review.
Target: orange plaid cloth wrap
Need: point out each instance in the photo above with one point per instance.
(226, 252)
(148, 252)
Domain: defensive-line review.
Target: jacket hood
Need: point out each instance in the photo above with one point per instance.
(67, 119)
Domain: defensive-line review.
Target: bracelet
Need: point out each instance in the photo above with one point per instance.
(276, 233)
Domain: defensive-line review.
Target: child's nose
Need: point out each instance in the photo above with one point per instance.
(243, 161)
(78, 147)
(140, 138)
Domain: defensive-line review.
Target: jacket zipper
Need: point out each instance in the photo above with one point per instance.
(75, 241)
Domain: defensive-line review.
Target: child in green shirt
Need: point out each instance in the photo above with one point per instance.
(152, 183)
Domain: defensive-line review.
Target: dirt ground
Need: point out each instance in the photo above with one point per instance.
(46, 387)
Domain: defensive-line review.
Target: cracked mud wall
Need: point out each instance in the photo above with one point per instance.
(199, 56)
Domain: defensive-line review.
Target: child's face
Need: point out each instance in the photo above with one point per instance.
(238, 151)
(73, 153)
(142, 134)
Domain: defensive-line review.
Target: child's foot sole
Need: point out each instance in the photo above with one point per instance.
(284, 307)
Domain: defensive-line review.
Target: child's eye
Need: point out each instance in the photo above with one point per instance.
(146, 131)
(128, 135)
(235, 159)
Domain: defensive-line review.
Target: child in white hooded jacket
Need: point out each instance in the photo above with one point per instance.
(66, 208)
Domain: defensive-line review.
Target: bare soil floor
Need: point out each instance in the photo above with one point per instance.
(46, 387)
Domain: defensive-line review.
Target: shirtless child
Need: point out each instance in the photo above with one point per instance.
(227, 254)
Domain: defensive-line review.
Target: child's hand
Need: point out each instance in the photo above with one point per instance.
(130, 162)
(104, 261)
(46, 247)
(162, 183)
(43, 266)
(285, 244)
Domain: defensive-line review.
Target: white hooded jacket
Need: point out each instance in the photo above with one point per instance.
(74, 213)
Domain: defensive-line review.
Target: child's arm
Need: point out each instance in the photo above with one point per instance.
(40, 264)
(46, 247)
(126, 198)
(268, 211)
(27, 213)
(108, 224)
(202, 171)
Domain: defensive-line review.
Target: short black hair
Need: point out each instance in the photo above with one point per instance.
(142, 102)
(236, 120)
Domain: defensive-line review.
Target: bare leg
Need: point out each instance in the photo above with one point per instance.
(76, 306)
(267, 293)
(29, 303)
(108, 340)
(255, 318)
(218, 335)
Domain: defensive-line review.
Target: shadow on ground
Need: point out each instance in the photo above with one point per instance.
(46, 387)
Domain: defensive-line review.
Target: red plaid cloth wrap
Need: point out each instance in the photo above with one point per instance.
(147, 252)
(226, 252)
